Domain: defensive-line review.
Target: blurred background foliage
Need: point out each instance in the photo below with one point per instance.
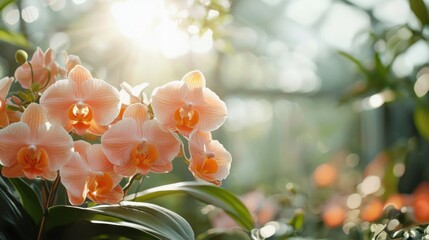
(327, 99)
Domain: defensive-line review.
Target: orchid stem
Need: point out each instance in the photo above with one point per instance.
(130, 183)
(48, 204)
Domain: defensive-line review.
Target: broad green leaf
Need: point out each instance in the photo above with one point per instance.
(419, 9)
(29, 199)
(14, 219)
(16, 39)
(96, 229)
(206, 193)
(421, 120)
(4, 3)
(150, 218)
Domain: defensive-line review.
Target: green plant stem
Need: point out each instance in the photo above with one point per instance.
(130, 183)
(48, 203)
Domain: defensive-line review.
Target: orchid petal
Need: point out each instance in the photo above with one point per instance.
(57, 99)
(74, 176)
(5, 84)
(118, 141)
(103, 100)
(194, 79)
(12, 139)
(213, 113)
(34, 116)
(166, 100)
(57, 143)
(97, 160)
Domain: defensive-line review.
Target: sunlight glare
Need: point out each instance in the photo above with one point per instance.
(150, 26)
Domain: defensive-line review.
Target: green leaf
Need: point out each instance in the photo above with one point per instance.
(419, 9)
(220, 234)
(206, 193)
(29, 199)
(421, 120)
(14, 219)
(152, 219)
(4, 3)
(358, 63)
(297, 220)
(97, 229)
(16, 39)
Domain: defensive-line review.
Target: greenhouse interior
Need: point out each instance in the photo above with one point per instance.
(214, 119)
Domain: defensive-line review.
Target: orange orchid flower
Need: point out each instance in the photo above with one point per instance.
(43, 70)
(81, 102)
(209, 159)
(187, 105)
(90, 174)
(33, 147)
(138, 144)
(5, 84)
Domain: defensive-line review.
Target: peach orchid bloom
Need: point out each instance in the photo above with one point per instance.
(70, 61)
(5, 84)
(33, 147)
(209, 159)
(90, 174)
(81, 102)
(138, 144)
(44, 69)
(187, 105)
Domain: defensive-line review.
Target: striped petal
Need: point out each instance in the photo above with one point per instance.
(74, 178)
(12, 139)
(166, 100)
(103, 100)
(118, 142)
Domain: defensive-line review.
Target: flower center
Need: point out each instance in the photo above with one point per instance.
(186, 118)
(144, 154)
(80, 115)
(100, 185)
(33, 159)
(209, 165)
(2, 105)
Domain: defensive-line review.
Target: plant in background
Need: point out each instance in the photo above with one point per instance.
(389, 200)
(65, 128)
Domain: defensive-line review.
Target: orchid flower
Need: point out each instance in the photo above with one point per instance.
(33, 147)
(5, 84)
(90, 174)
(139, 144)
(81, 102)
(209, 159)
(41, 69)
(187, 105)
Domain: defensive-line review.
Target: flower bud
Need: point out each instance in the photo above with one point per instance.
(21, 56)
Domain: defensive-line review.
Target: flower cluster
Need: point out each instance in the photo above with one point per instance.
(132, 135)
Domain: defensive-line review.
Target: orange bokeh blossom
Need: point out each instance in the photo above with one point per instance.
(139, 144)
(90, 174)
(33, 147)
(81, 102)
(188, 104)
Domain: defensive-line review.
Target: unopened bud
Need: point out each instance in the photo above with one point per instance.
(21, 56)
